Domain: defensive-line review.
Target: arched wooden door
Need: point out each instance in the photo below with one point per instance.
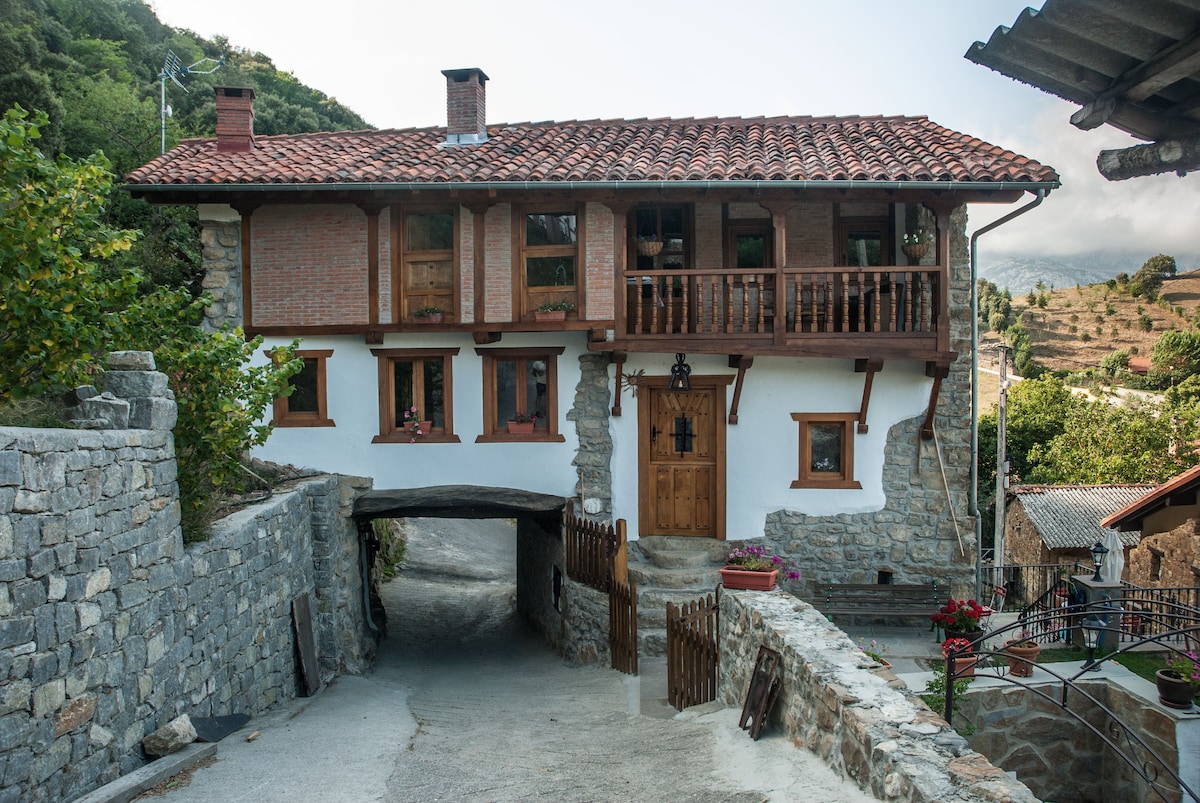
(681, 458)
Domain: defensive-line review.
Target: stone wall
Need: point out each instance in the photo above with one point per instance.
(221, 248)
(1167, 560)
(1061, 759)
(110, 626)
(881, 737)
(539, 555)
(590, 412)
(915, 536)
(585, 625)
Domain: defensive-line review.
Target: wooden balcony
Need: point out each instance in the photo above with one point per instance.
(849, 312)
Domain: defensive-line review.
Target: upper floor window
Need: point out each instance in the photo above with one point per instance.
(427, 263)
(667, 225)
(826, 450)
(550, 256)
(751, 244)
(307, 405)
(864, 242)
(415, 384)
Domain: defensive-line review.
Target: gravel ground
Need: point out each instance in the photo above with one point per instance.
(466, 704)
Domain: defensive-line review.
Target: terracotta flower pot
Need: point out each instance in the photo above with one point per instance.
(1020, 660)
(964, 666)
(734, 577)
(435, 318)
(520, 428)
(550, 315)
(1173, 690)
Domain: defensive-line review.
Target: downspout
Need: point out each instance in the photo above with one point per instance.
(974, 484)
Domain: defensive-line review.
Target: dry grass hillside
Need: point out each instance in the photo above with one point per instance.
(1080, 325)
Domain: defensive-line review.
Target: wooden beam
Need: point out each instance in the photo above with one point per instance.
(743, 364)
(870, 367)
(1174, 155)
(372, 212)
(247, 240)
(617, 358)
(938, 371)
(373, 337)
(482, 338)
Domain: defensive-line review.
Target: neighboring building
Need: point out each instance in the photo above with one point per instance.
(1168, 555)
(1047, 524)
(768, 253)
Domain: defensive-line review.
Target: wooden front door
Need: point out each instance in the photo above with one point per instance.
(681, 438)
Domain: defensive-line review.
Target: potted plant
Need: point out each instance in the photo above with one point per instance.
(416, 426)
(648, 245)
(521, 424)
(753, 568)
(553, 310)
(960, 618)
(916, 244)
(964, 658)
(1022, 653)
(875, 652)
(1179, 682)
(429, 315)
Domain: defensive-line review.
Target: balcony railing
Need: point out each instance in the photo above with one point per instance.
(789, 305)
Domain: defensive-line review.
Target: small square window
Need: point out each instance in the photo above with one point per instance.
(420, 380)
(520, 381)
(826, 450)
(307, 405)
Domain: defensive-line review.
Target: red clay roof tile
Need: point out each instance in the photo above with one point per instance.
(898, 149)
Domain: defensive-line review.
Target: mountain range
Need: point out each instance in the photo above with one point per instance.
(1021, 273)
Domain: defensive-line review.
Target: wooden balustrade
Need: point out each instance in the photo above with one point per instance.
(814, 303)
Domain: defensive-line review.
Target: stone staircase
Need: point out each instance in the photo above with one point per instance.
(671, 569)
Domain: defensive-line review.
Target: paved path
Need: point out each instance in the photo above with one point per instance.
(466, 704)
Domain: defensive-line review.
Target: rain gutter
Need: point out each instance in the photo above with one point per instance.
(525, 186)
(973, 503)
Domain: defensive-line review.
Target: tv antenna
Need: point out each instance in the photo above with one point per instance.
(173, 68)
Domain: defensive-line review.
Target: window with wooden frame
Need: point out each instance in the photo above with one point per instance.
(864, 242)
(419, 378)
(307, 405)
(750, 244)
(523, 380)
(669, 225)
(549, 258)
(826, 450)
(427, 263)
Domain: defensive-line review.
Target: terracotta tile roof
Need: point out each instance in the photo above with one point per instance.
(900, 149)
(1182, 485)
(1069, 517)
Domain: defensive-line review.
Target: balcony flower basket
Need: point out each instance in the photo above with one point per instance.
(429, 315)
(553, 311)
(522, 424)
(916, 244)
(752, 568)
(649, 246)
(1022, 654)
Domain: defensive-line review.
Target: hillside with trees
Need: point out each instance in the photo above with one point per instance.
(92, 67)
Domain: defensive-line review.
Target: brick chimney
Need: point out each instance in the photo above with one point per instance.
(235, 119)
(466, 106)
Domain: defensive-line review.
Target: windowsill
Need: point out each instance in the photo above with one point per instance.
(404, 437)
(503, 437)
(298, 421)
(850, 485)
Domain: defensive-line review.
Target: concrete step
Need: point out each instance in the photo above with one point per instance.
(650, 576)
(671, 551)
(652, 641)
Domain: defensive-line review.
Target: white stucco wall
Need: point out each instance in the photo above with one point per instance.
(352, 381)
(762, 450)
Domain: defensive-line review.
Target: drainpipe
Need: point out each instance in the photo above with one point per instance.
(974, 484)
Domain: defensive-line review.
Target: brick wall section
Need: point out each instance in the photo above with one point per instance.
(810, 236)
(878, 735)
(309, 265)
(498, 255)
(466, 107)
(709, 236)
(598, 273)
(466, 265)
(385, 265)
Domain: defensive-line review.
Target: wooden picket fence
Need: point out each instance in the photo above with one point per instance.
(692, 651)
(597, 554)
(622, 627)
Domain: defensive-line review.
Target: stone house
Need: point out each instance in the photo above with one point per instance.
(767, 329)
(1048, 524)
(1168, 554)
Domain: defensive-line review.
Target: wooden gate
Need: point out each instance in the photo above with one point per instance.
(622, 627)
(692, 653)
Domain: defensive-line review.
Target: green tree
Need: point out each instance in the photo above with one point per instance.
(1176, 355)
(56, 295)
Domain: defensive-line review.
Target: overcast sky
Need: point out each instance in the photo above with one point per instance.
(697, 58)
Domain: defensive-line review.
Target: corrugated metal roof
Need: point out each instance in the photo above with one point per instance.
(1068, 517)
(1136, 63)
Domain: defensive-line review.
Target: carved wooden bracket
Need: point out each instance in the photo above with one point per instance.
(742, 363)
(938, 371)
(482, 338)
(373, 337)
(871, 367)
(618, 358)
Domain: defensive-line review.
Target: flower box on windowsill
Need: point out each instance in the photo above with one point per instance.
(437, 317)
(520, 427)
(550, 315)
(734, 578)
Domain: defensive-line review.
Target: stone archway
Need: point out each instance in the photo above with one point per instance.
(539, 538)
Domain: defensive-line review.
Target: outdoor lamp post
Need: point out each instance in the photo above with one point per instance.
(1093, 629)
(1098, 553)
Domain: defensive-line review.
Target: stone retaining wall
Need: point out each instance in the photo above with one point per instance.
(585, 629)
(110, 626)
(883, 738)
(539, 554)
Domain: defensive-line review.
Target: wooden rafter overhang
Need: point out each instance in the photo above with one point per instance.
(742, 363)
(937, 371)
(869, 367)
(875, 345)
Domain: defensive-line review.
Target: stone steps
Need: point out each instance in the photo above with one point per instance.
(671, 569)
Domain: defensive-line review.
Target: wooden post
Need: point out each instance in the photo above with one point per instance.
(621, 560)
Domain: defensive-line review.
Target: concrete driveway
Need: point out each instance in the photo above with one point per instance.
(466, 704)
